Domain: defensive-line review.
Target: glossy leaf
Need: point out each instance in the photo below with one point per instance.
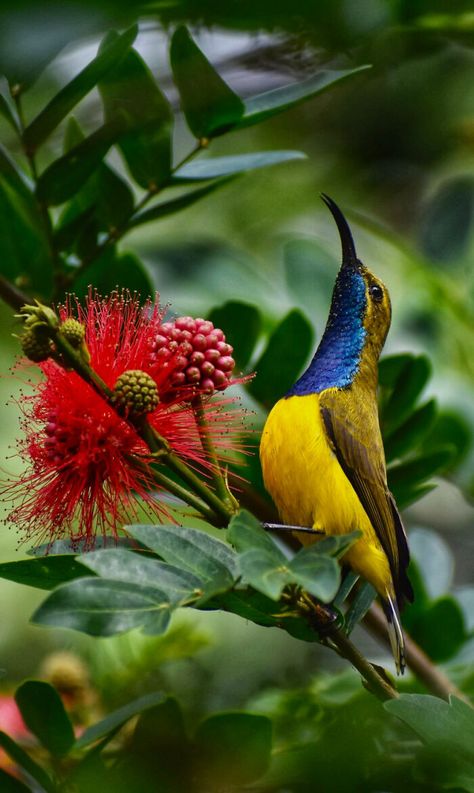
(360, 605)
(103, 608)
(110, 271)
(245, 532)
(283, 359)
(233, 748)
(131, 96)
(43, 713)
(318, 574)
(418, 469)
(215, 167)
(210, 106)
(166, 208)
(259, 108)
(446, 224)
(117, 718)
(434, 560)
(242, 325)
(408, 386)
(256, 607)
(121, 565)
(265, 571)
(440, 629)
(8, 114)
(72, 93)
(213, 562)
(23, 760)
(448, 729)
(43, 573)
(450, 429)
(24, 249)
(410, 434)
(65, 176)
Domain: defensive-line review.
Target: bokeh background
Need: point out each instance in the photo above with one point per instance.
(395, 148)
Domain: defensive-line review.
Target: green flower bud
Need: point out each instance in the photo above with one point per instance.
(136, 392)
(73, 331)
(36, 344)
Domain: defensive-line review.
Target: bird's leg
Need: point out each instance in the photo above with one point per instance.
(290, 527)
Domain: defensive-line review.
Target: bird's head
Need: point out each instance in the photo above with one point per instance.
(358, 294)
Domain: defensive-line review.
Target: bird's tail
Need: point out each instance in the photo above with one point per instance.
(395, 632)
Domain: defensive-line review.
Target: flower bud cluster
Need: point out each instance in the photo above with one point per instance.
(36, 343)
(136, 392)
(199, 352)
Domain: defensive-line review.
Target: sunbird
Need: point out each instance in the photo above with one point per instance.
(321, 450)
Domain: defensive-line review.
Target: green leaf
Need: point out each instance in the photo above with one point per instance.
(8, 114)
(409, 434)
(121, 565)
(284, 357)
(72, 93)
(408, 386)
(440, 629)
(434, 561)
(360, 605)
(22, 759)
(319, 575)
(110, 271)
(233, 748)
(406, 493)
(450, 429)
(210, 560)
(447, 729)
(103, 608)
(265, 571)
(214, 167)
(347, 585)
(75, 547)
(259, 108)
(117, 718)
(43, 573)
(418, 469)
(446, 225)
(24, 248)
(43, 713)
(10, 784)
(130, 95)
(66, 175)
(391, 367)
(210, 106)
(176, 204)
(336, 545)
(256, 607)
(242, 325)
(245, 532)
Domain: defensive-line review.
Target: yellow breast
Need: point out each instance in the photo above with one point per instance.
(309, 487)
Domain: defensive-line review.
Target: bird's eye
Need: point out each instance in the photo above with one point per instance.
(376, 292)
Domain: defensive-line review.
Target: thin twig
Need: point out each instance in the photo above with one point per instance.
(418, 662)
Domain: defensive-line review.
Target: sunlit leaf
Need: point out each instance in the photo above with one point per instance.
(72, 93)
(103, 608)
(208, 103)
(259, 108)
(214, 167)
(131, 97)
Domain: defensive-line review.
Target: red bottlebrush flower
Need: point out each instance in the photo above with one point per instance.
(84, 477)
(203, 358)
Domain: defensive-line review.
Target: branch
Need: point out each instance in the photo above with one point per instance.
(13, 296)
(417, 661)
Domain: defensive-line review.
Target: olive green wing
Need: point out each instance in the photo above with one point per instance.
(353, 431)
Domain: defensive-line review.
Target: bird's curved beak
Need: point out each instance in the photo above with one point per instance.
(349, 256)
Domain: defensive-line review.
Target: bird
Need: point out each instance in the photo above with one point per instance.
(321, 448)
